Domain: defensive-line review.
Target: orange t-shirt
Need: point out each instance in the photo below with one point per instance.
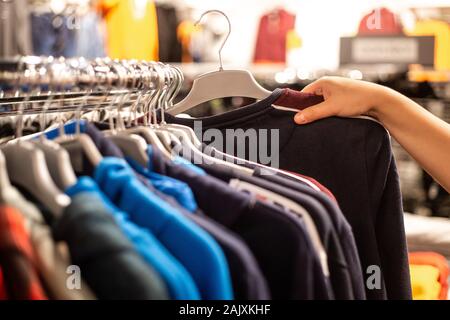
(132, 29)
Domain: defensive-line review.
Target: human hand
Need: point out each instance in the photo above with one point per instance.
(344, 98)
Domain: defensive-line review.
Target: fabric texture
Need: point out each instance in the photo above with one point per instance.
(172, 187)
(337, 264)
(52, 259)
(247, 278)
(296, 177)
(179, 282)
(177, 189)
(17, 259)
(342, 227)
(345, 233)
(321, 187)
(297, 100)
(270, 233)
(106, 147)
(192, 246)
(108, 261)
(353, 158)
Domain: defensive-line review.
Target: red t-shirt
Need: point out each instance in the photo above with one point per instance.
(3, 295)
(17, 260)
(271, 39)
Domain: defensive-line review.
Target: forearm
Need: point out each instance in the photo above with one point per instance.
(425, 137)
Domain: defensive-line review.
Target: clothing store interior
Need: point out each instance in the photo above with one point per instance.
(148, 151)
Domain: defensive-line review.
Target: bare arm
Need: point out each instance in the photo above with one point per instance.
(423, 135)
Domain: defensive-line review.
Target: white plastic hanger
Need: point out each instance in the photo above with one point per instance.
(186, 141)
(78, 145)
(147, 130)
(178, 76)
(132, 145)
(184, 138)
(5, 183)
(27, 168)
(57, 159)
(162, 97)
(220, 84)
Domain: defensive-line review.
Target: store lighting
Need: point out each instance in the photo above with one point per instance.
(303, 74)
(355, 74)
(290, 74)
(280, 77)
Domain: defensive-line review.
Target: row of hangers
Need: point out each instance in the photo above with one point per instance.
(131, 89)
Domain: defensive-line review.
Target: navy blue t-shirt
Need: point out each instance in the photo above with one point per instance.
(337, 264)
(278, 240)
(352, 158)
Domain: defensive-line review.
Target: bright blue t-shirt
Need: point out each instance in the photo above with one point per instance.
(193, 247)
(167, 185)
(178, 280)
(69, 128)
(177, 160)
(185, 163)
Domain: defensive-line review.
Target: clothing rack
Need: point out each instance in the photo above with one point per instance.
(297, 215)
(29, 80)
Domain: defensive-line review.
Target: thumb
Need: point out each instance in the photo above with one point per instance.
(316, 112)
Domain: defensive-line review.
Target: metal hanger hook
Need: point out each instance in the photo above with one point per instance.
(226, 38)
